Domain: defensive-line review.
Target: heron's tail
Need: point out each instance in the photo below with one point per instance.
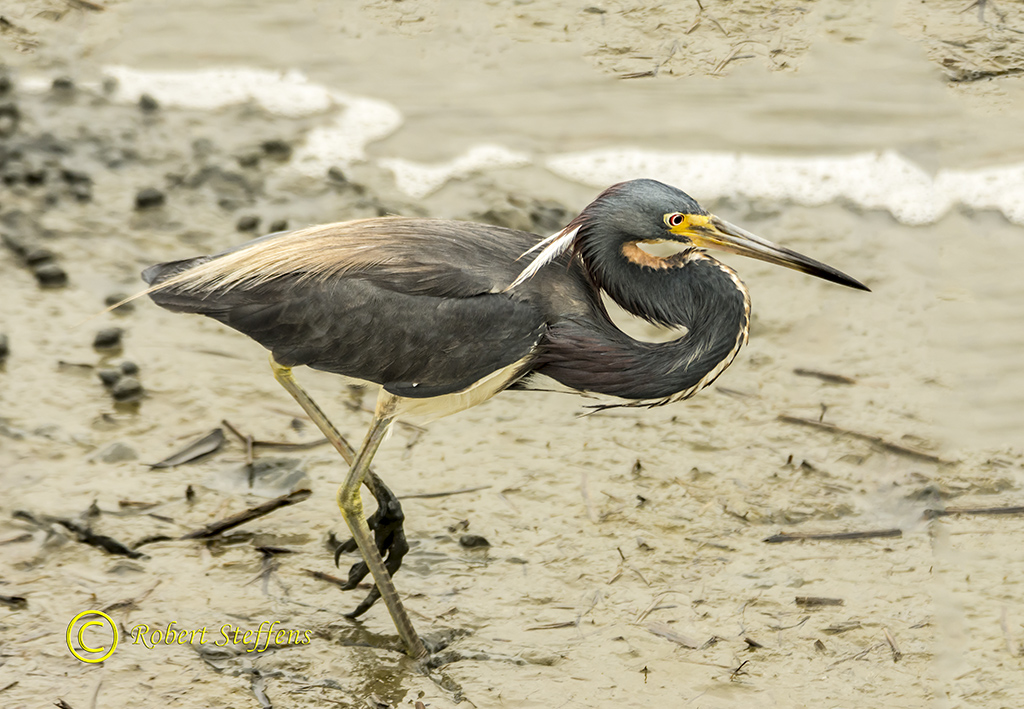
(175, 298)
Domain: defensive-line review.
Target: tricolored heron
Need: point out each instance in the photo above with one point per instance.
(446, 314)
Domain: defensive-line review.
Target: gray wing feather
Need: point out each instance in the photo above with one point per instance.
(417, 344)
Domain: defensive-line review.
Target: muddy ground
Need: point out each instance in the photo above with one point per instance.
(627, 563)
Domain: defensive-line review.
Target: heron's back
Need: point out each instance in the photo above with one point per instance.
(416, 305)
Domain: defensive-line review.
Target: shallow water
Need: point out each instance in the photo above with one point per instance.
(934, 350)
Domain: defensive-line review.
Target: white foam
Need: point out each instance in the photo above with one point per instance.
(876, 180)
(340, 142)
(343, 142)
(286, 93)
(419, 179)
(872, 180)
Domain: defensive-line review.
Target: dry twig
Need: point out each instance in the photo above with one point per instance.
(215, 528)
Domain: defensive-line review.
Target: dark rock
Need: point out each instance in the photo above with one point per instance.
(50, 275)
(19, 223)
(148, 104)
(5, 84)
(108, 338)
(148, 198)
(473, 541)
(35, 176)
(249, 222)
(15, 244)
(109, 377)
(82, 192)
(63, 83)
(14, 173)
(250, 159)
(335, 174)
(9, 118)
(278, 225)
(126, 389)
(5, 347)
(75, 177)
(129, 367)
(278, 149)
(38, 255)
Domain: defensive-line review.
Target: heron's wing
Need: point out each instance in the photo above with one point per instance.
(413, 256)
(415, 344)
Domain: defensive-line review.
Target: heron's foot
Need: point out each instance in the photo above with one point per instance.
(389, 536)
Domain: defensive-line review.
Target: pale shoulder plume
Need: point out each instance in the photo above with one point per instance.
(314, 253)
(553, 247)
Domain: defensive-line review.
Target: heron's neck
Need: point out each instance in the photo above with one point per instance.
(690, 290)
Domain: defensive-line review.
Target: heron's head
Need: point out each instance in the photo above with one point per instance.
(635, 218)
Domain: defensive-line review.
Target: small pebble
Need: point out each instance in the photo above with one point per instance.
(249, 222)
(50, 275)
(336, 175)
(129, 367)
(277, 149)
(278, 225)
(35, 176)
(117, 452)
(63, 83)
(5, 84)
(9, 118)
(16, 244)
(472, 541)
(5, 347)
(75, 177)
(148, 104)
(109, 377)
(149, 197)
(82, 192)
(108, 338)
(251, 159)
(38, 255)
(126, 389)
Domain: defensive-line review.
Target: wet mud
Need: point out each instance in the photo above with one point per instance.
(679, 556)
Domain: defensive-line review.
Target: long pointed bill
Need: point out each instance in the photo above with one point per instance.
(710, 232)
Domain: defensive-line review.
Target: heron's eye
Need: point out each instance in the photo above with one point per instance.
(674, 219)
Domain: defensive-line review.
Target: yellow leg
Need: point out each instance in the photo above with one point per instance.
(351, 504)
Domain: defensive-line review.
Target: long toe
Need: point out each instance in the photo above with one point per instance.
(370, 599)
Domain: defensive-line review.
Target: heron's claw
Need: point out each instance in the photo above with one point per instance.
(389, 536)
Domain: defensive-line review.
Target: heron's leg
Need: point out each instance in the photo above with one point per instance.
(386, 523)
(351, 503)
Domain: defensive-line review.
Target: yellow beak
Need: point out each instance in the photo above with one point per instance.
(706, 231)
